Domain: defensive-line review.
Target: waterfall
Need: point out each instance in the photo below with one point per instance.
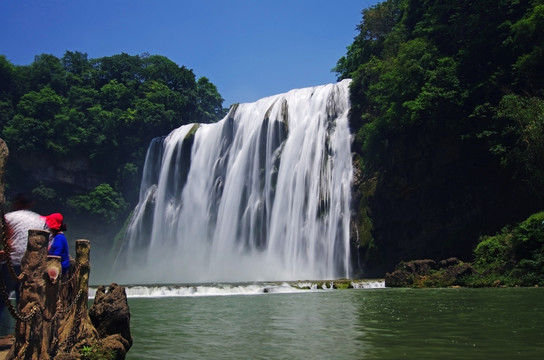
(262, 194)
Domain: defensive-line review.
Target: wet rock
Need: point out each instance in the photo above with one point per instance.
(399, 278)
(417, 267)
(116, 344)
(407, 272)
(452, 261)
(453, 274)
(428, 273)
(110, 316)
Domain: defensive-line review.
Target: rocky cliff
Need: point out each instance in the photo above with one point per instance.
(432, 199)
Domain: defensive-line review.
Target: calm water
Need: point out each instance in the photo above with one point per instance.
(343, 324)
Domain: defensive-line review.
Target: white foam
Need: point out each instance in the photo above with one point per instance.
(201, 290)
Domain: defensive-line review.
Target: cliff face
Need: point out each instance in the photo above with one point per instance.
(432, 199)
(67, 171)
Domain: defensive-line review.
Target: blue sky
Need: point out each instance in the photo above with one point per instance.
(248, 48)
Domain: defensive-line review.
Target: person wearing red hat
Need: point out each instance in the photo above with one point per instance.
(58, 245)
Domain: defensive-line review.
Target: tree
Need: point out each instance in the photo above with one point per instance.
(446, 104)
(377, 24)
(47, 71)
(526, 38)
(6, 88)
(210, 102)
(103, 202)
(519, 143)
(123, 67)
(34, 124)
(115, 95)
(100, 114)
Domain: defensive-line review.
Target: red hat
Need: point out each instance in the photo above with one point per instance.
(54, 221)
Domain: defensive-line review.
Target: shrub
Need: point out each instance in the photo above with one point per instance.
(103, 202)
(515, 256)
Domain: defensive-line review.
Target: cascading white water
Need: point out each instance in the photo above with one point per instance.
(262, 194)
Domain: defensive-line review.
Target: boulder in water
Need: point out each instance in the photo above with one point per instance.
(110, 316)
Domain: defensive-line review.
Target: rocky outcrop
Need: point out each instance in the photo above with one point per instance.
(69, 172)
(429, 273)
(110, 315)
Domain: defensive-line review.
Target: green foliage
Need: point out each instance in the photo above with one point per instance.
(440, 93)
(106, 110)
(378, 23)
(515, 256)
(526, 36)
(6, 84)
(102, 106)
(43, 193)
(493, 252)
(103, 202)
(431, 63)
(33, 125)
(520, 142)
(209, 101)
(446, 98)
(96, 352)
(47, 71)
(342, 285)
(25, 133)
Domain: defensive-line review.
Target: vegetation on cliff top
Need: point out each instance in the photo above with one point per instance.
(448, 111)
(98, 115)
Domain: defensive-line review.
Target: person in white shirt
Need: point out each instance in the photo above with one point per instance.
(17, 225)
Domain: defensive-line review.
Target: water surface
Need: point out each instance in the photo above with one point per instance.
(342, 324)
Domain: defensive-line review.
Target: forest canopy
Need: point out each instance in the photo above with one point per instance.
(471, 67)
(448, 115)
(104, 110)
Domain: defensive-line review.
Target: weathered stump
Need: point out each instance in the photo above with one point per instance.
(52, 301)
(29, 327)
(75, 328)
(53, 319)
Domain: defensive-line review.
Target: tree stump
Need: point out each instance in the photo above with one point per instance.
(54, 320)
(75, 328)
(29, 327)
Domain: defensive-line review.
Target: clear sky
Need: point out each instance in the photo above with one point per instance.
(248, 48)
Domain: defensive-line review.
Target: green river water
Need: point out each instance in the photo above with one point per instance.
(495, 323)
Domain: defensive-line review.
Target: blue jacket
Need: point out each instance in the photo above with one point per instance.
(59, 247)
